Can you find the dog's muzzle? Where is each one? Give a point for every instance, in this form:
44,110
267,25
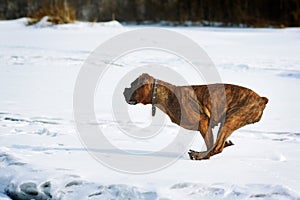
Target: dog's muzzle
128,96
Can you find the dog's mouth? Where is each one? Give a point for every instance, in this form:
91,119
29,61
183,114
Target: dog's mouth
132,102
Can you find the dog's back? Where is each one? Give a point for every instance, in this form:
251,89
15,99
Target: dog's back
229,101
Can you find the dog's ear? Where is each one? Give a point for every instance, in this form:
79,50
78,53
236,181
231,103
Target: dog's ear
145,78
145,75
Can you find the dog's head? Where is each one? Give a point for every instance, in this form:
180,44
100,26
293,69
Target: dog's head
140,91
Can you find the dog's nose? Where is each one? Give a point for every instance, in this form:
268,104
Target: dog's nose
128,96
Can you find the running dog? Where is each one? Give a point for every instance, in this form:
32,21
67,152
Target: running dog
200,108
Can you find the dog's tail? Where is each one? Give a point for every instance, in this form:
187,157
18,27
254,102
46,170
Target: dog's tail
265,100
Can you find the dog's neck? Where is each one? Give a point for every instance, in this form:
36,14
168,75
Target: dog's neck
165,91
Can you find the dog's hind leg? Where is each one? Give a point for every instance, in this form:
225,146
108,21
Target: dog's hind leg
221,142
231,124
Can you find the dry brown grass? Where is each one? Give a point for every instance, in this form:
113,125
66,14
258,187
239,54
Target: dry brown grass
59,12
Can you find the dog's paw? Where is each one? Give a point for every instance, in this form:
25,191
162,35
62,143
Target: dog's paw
228,143
192,154
195,155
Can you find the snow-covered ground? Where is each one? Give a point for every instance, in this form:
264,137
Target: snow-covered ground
41,152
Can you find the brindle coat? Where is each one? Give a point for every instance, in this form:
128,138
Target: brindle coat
201,108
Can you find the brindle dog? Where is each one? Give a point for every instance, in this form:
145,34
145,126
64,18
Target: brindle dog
201,108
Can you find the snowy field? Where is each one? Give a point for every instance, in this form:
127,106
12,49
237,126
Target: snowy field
40,151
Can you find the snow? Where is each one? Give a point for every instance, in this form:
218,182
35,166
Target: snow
41,151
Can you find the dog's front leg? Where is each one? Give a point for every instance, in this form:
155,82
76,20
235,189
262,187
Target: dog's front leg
207,135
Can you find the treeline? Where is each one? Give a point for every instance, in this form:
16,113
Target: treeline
259,13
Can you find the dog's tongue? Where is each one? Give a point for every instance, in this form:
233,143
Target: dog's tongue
153,110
